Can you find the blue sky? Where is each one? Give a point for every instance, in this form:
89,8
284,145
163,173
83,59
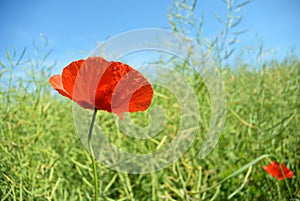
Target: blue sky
74,28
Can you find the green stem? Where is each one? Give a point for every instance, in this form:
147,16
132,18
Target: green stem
286,182
92,154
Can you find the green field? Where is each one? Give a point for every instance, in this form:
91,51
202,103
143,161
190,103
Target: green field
42,158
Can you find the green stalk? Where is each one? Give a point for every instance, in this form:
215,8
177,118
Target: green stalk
285,181
92,155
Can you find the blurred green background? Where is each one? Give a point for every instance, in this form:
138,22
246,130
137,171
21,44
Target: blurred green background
42,158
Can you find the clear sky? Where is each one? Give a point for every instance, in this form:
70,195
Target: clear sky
74,28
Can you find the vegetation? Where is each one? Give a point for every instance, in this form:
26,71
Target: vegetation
42,158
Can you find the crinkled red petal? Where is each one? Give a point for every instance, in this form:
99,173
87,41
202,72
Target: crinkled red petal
69,75
56,83
123,89
274,170
110,86
87,80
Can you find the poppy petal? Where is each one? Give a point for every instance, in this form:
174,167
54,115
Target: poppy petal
124,89
141,99
287,172
82,78
56,83
110,86
69,75
274,170
110,79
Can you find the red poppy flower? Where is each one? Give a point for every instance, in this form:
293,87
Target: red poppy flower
274,170
109,86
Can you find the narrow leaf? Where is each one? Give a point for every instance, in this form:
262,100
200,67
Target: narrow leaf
229,53
240,32
241,5
21,57
237,21
219,18
47,54
245,167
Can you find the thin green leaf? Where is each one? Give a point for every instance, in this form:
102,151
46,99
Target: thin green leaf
2,71
232,41
241,5
245,167
288,117
47,54
240,32
14,52
219,18
185,6
2,65
21,57
194,5
9,59
229,53
243,184
239,19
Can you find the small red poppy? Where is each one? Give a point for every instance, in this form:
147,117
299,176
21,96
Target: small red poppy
110,86
274,170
